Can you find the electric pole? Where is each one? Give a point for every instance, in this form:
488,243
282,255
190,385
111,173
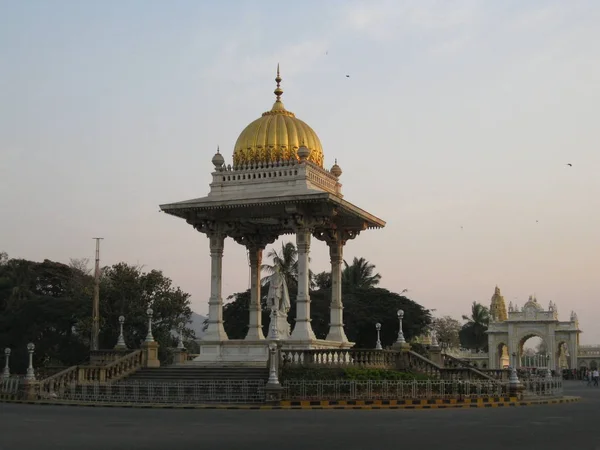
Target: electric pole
94,345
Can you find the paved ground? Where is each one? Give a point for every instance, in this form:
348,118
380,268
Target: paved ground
564,427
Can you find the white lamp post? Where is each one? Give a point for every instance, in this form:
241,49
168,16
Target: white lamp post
378,345
400,339
121,341
6,372
149,337
30,372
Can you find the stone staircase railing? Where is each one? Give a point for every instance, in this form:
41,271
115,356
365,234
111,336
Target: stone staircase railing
114,371
418,363
379,359
488,374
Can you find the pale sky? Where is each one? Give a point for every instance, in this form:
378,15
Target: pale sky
455,127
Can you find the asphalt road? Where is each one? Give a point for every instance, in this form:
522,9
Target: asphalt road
548,427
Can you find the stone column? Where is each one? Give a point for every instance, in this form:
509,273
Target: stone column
303,329
215,330
255,323
336,321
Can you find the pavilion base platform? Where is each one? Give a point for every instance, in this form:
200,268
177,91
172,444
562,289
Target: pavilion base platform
255,351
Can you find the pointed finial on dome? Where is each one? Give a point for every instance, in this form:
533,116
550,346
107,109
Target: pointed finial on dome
278,91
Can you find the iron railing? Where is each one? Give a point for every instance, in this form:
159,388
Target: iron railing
177,392
391,390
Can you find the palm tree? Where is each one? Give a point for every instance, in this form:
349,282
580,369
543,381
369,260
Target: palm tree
360,274
480,315
473,332
287,261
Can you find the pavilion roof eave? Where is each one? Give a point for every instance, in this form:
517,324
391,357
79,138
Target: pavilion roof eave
179,209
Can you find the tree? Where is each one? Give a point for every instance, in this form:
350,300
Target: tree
323,280
447,330
473,333
480,315
363,308
287,261
360,274
50,304
81,265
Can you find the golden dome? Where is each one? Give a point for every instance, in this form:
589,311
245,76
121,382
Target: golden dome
275,136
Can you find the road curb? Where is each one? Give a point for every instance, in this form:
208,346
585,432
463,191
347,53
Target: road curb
321,405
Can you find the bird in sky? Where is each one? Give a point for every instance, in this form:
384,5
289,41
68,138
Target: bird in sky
569,164
347,76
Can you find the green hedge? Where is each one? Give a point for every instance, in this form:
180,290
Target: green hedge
351,373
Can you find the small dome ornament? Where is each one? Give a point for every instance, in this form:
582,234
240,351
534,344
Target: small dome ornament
303,152
336,170
218,160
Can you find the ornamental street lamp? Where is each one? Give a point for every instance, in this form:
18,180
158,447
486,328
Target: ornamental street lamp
149,337
121,341
378,345
400,339
30,372
6,372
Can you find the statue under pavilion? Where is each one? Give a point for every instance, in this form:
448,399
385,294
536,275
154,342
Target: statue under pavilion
277,185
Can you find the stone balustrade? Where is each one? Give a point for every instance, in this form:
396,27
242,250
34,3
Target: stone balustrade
380,359
58,381
124,366
288,170
115,371
384,359
415,362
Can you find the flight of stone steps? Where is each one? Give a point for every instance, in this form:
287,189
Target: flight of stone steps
180,385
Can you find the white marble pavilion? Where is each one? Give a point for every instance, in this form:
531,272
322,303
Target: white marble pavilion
276,185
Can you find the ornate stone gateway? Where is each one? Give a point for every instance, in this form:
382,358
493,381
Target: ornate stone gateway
508,332
276,186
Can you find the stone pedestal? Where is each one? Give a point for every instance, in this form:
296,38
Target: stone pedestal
273,394
281,325
435,355
402,347
180,356
150,353
30,390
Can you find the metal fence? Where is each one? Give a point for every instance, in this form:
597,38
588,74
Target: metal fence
391,390
181,392
543,387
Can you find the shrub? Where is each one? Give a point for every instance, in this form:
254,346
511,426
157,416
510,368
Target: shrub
350,373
